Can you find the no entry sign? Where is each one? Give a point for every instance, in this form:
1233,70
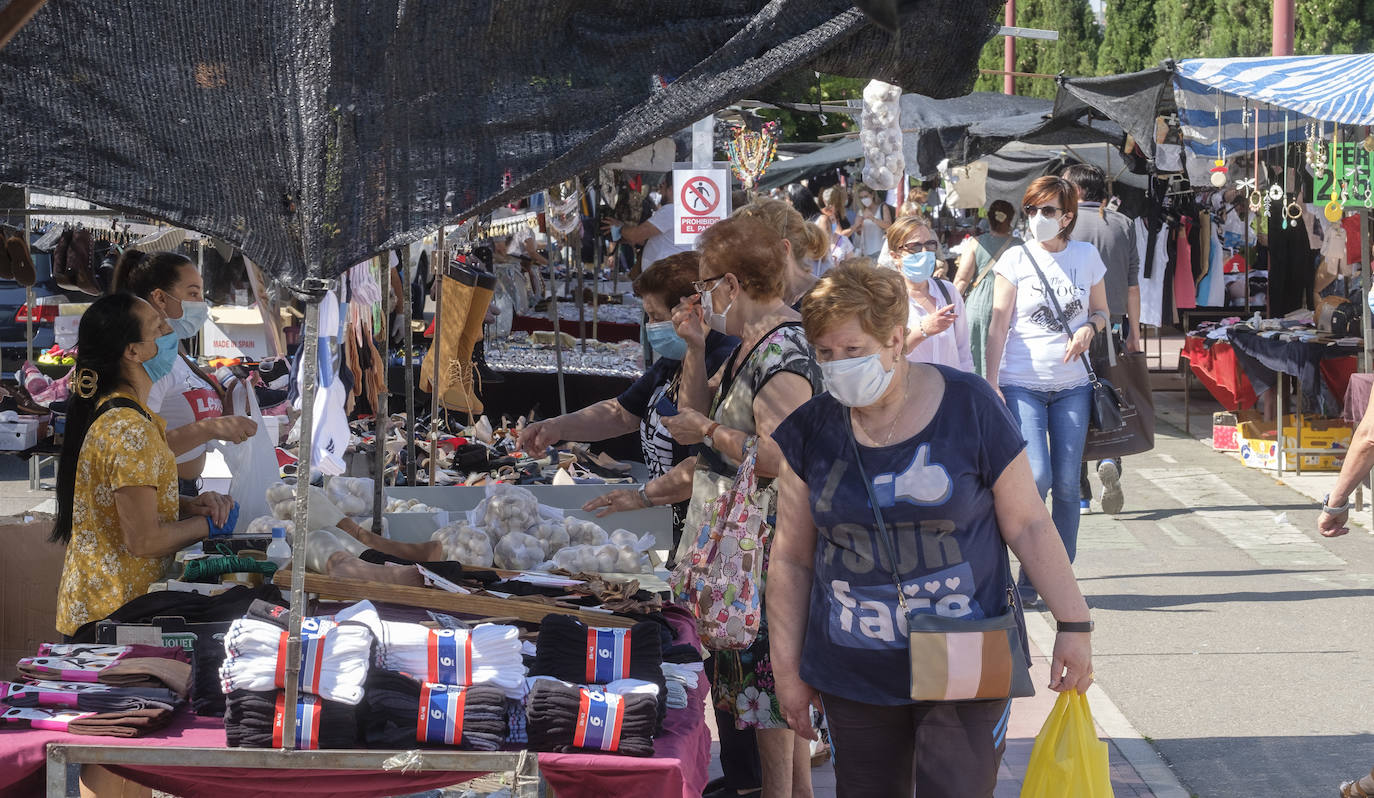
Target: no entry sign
701,199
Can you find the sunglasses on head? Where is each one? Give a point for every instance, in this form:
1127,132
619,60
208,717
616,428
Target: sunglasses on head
1048,211
912,247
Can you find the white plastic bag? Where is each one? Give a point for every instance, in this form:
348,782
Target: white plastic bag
253,463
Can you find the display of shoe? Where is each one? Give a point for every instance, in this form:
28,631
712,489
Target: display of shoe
1112,498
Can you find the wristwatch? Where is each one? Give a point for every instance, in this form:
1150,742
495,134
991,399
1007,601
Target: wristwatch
1327,508
1074,626
706,439
644,495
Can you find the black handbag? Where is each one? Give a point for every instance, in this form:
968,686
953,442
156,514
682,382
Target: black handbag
1106,403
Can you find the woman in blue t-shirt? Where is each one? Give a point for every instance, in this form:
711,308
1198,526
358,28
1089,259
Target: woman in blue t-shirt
949,470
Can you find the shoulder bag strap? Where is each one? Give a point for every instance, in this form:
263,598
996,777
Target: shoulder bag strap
1058,311
889,546
987,267
120,401
944,292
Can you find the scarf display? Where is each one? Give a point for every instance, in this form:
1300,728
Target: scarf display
488,654
402,713
334,658
566,718
257,719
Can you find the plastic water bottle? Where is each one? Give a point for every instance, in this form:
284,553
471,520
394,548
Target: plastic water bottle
279,551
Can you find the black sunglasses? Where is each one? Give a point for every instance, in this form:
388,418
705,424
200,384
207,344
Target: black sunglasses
1048,211
912,247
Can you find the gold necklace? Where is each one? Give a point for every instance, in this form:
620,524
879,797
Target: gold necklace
892,426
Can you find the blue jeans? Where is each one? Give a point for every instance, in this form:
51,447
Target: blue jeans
1055,426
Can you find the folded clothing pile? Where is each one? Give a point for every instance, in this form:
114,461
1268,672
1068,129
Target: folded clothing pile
87,696
334,656
402,712
123,670
567,718
488,654
682,669
572,651
131,723
258,719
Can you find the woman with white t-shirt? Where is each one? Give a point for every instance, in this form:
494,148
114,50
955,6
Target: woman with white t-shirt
936,331
189,401
1034,361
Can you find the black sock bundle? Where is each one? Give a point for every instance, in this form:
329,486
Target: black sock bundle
207,654
465,717
570,650
251,721
565,718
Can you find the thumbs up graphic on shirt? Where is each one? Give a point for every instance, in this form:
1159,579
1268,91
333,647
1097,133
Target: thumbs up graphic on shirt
920,483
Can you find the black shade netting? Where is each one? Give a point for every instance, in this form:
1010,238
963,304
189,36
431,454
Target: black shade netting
315,133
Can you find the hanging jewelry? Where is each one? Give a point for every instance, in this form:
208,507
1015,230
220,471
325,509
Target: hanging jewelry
1316,150
1218,176
1293,211
751,152
1256,198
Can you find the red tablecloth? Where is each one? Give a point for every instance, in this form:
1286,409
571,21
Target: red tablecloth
1216,368
678,769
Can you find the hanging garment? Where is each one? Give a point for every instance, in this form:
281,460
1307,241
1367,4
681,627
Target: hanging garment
1292,265
1154,257
1185,290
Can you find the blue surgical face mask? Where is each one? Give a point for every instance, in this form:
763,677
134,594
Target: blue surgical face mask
193,316
160,365
918,266
665,340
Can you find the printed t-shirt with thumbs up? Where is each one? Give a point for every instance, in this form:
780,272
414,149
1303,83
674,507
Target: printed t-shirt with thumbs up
935,490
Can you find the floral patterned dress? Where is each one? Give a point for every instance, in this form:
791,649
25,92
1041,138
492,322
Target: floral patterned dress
122,449
742,681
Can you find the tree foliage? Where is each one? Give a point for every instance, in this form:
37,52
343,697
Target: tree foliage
1125,44
1075,52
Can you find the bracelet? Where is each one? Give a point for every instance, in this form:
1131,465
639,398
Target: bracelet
1328,509
644,495
1074,626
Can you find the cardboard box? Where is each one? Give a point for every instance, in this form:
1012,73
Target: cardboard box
16,436
1225,432
235,332
1259,448
30,572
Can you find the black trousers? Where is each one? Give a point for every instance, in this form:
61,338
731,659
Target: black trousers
944,750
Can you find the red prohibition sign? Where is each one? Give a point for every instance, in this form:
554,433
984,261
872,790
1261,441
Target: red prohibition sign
699,196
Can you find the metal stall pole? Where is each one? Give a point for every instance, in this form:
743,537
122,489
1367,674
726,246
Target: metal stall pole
409,339
382,411
576,252
313,290
557,324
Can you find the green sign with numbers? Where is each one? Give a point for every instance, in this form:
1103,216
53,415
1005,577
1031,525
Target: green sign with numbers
1349,172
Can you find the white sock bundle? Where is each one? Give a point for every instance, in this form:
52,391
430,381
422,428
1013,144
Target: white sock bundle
334,658
488,654
618,686
679,678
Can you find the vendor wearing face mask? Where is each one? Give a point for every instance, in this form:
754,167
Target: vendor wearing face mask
937,331
874,220
642,406
1033,351
946,470
185,397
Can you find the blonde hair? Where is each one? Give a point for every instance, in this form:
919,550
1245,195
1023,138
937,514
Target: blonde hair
807,240
856,289
902,229
834,197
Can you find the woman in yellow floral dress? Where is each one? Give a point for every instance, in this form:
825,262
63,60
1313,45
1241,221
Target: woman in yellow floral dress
118,511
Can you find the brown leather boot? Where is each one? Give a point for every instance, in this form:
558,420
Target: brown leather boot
461,396
452,315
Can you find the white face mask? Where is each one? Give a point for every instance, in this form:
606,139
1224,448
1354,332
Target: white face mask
866,201
1042,228
714,320
856,381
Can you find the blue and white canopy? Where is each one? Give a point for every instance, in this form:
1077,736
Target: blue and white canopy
1213,95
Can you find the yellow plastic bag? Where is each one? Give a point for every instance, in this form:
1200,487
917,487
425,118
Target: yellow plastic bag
1068,761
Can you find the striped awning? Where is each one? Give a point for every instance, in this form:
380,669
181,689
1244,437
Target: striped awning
1224,104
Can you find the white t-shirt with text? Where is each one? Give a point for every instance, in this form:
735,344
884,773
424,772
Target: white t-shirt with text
182,397
1036,342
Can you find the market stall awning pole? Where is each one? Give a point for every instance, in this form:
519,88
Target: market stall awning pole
382,410
1366,283
409,343
310,376
440,267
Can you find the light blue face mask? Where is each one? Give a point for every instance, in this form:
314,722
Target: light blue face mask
193,317
918,266
160,365
665,340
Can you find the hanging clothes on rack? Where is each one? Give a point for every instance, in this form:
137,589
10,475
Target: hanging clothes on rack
1292,265
1185,287
1154,262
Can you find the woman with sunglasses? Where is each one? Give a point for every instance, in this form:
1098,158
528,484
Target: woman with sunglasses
1035,341
771,373
936,329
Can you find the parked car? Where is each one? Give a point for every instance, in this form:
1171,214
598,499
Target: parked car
14,330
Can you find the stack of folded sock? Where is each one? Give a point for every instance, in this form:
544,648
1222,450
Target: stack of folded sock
682,669
131,723
334,657
569,718
488,654
87,696
569,650
402,712
256,720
